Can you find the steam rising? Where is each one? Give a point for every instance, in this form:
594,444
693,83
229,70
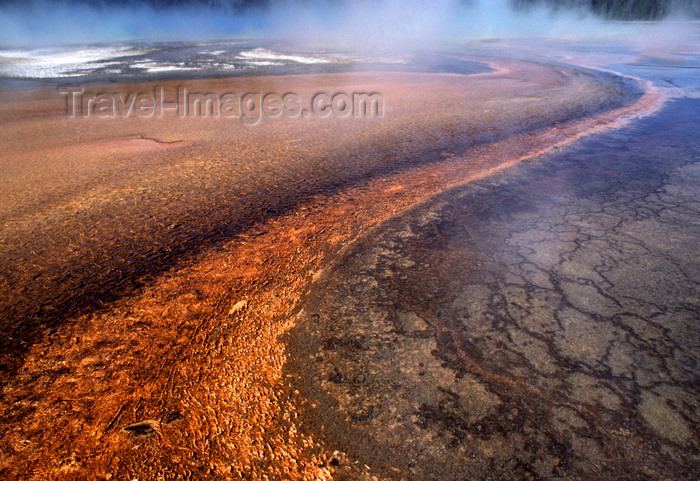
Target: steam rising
384,25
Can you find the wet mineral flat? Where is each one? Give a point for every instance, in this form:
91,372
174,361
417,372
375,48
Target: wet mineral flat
541,324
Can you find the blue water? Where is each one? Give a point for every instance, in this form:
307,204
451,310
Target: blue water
143,61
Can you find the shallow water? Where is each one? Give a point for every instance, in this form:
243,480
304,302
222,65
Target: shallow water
140,62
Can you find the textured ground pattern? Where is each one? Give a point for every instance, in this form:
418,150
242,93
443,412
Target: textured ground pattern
539,325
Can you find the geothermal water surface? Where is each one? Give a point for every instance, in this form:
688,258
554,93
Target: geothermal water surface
460,288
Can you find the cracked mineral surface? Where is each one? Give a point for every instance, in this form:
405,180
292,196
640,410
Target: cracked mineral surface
539,324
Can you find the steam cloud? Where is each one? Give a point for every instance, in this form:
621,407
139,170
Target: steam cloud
377,25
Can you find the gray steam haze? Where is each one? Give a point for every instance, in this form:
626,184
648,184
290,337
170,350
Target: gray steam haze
384,25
